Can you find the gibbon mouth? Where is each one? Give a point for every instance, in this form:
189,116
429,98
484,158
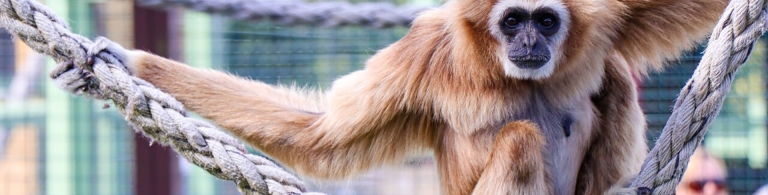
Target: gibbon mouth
530,62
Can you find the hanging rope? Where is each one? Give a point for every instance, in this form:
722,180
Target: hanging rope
740,26
155,113
326,14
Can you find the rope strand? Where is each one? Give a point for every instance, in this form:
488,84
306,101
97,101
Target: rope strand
324,14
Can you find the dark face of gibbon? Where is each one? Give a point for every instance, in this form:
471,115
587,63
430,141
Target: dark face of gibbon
527,34
531,35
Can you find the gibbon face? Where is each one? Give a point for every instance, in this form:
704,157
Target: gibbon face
531,33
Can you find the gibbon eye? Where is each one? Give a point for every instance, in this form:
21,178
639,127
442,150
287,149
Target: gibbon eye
547,21
512,21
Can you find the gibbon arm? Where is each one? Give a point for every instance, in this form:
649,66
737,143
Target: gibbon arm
655,31
364,125
516,163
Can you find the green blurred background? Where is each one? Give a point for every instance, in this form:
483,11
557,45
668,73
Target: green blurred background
55,143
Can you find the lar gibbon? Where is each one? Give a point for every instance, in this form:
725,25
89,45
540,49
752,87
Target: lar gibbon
511,96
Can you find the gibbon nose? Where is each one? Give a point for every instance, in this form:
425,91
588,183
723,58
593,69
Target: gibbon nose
528,51
528,41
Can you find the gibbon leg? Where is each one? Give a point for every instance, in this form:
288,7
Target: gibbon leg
516,163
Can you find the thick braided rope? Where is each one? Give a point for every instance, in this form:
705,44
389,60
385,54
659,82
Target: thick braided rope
327,14
155,113
740,26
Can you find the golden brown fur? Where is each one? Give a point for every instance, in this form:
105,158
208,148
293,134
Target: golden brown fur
442,88
513,166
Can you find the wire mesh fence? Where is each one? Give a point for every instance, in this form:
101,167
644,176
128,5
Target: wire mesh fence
54,143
